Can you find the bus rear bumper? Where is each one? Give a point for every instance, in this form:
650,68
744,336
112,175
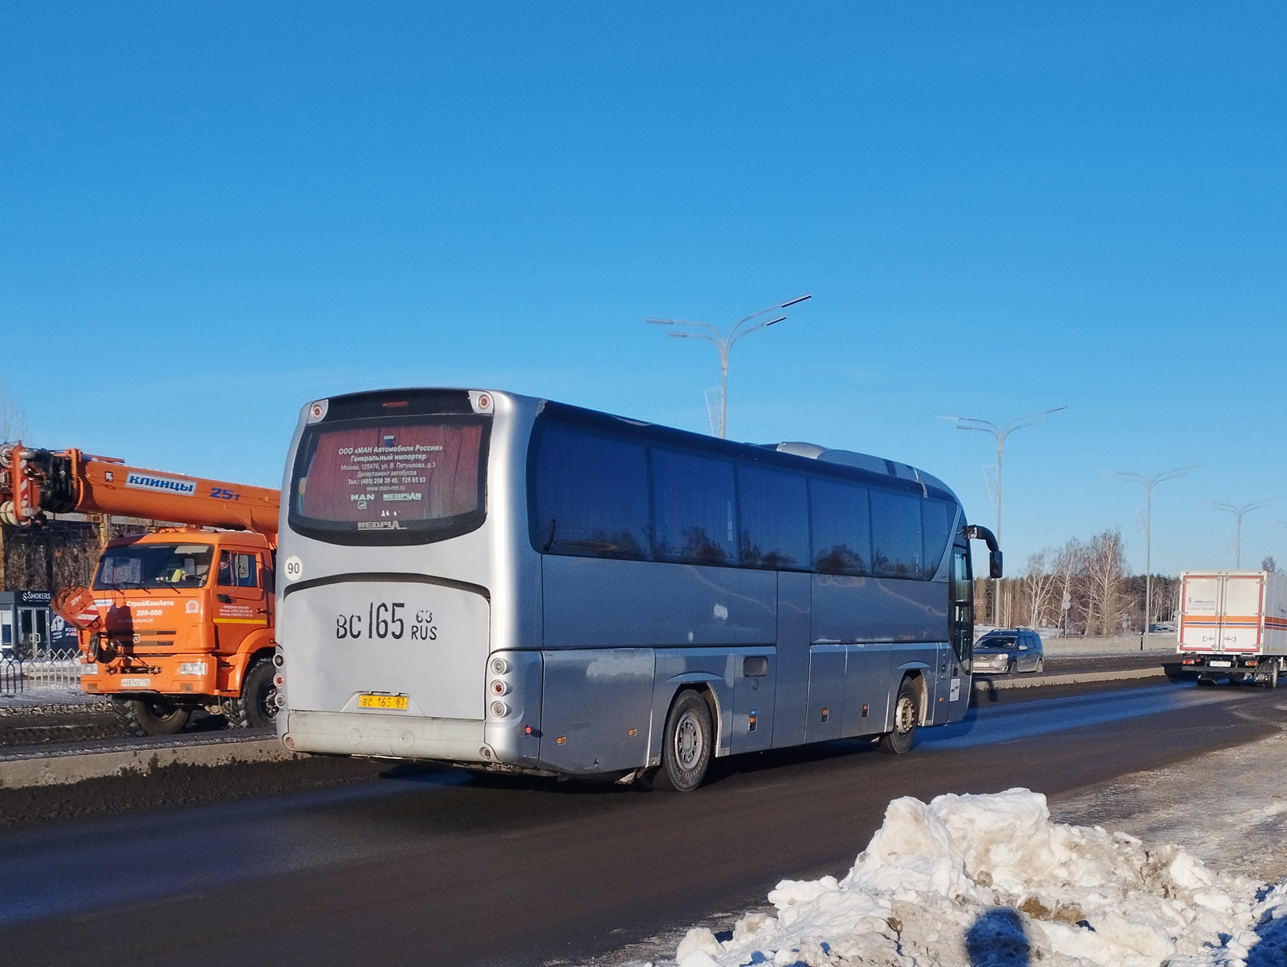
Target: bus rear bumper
386,736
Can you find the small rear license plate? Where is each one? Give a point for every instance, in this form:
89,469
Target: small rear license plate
1221,664
382,701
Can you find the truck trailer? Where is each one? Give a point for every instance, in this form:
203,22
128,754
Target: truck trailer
1233,624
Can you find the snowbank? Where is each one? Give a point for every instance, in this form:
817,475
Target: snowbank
990,880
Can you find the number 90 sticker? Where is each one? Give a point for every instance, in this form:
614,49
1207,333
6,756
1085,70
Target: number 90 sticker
293,568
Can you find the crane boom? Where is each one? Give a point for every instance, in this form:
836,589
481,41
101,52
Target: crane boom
36,482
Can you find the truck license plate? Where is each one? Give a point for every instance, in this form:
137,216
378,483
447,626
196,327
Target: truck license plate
1221,664
383,701
135,682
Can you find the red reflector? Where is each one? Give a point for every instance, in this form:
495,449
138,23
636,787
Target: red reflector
527,730
399,403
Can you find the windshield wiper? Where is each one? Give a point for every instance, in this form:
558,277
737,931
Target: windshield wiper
129,585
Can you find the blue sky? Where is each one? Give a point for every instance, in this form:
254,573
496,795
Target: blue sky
210,214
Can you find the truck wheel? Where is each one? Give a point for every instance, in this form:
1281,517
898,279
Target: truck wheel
905,713
256,706
688,743
1271,680
151,716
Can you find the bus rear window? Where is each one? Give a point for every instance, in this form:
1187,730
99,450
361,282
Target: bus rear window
391,480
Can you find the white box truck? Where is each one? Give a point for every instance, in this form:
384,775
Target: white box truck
1233,624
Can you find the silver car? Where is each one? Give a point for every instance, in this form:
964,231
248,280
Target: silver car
1008,653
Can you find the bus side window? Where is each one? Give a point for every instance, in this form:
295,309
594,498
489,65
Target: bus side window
591,496
841,527
693,498
897,549
774,518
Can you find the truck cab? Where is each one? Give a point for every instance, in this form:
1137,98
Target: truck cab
185,619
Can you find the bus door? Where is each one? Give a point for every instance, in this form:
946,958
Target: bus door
240,606
960,634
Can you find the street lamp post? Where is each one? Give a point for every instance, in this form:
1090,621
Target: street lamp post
1238,514
723,342
1149,483
1001,432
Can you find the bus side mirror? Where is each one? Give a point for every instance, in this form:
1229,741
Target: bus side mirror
977,532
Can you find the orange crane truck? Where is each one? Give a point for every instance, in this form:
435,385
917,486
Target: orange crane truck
175,620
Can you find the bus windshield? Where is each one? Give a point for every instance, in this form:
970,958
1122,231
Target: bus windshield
394,480
153,566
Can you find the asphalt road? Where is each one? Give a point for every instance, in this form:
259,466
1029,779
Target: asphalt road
434,867
94,726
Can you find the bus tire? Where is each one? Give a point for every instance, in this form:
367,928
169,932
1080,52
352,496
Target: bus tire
906,712
151,716
255,707
687,744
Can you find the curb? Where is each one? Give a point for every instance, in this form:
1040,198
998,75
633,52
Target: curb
55,768
988,684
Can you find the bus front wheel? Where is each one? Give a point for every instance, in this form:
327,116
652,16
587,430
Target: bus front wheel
906,711
688,743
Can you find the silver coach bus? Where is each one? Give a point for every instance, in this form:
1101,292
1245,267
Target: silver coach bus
514,584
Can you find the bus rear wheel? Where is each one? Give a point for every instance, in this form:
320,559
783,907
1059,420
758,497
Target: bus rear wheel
906,709
151,716
687,744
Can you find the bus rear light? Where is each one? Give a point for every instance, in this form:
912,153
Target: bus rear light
500,709
499,666
499,688
279,680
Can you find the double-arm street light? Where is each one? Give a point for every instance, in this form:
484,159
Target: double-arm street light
723,341
1001,432
1238,514
1148,484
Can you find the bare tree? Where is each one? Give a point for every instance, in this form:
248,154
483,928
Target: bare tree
1270,565
1105,563
13,420
1039,581
1068,564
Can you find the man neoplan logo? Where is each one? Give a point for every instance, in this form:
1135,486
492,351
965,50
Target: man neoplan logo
169,485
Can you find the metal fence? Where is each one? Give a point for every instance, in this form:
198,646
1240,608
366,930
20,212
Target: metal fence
58,668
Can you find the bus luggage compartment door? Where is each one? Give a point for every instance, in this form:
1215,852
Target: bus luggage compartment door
409,640
825,717
596,709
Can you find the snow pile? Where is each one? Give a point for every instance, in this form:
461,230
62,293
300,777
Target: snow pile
990,880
